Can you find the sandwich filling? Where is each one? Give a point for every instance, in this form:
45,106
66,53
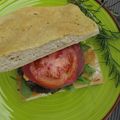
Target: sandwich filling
75,66
56,70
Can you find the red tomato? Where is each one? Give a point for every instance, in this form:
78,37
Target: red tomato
58,69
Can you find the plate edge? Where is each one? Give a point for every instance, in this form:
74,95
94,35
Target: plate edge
118,26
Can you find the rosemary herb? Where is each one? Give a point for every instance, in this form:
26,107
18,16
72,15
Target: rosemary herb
103,39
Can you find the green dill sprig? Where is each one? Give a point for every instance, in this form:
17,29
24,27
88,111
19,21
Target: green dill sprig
114,67
103,39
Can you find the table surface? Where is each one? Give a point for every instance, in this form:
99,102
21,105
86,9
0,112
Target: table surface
115,115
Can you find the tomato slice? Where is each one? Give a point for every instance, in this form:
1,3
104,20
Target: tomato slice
56,70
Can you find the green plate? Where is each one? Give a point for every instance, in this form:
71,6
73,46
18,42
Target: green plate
91,103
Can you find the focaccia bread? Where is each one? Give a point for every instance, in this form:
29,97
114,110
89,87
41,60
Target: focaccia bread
34,32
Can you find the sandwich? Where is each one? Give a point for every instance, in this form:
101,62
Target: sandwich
46,46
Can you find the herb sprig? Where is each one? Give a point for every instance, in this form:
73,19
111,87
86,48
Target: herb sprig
103,39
